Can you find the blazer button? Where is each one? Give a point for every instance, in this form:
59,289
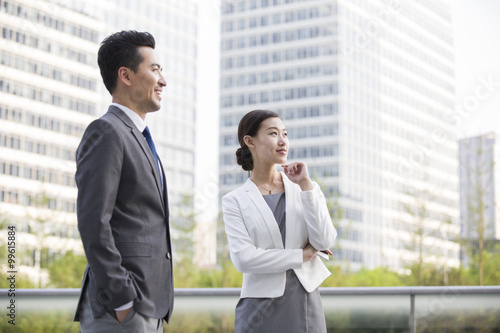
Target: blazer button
168,255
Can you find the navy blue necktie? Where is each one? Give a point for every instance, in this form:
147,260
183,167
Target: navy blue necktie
151,144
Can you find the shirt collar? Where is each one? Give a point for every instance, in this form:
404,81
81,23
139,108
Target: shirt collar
136,119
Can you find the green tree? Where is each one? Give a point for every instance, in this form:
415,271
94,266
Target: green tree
491,264
224,275
66,270
39,215
182,224
340,222
478,184
22,281
187,274
490,273
422,225
378,277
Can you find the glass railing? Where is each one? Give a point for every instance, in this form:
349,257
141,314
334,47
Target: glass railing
352,310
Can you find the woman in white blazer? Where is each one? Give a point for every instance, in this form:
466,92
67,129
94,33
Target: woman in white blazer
276,225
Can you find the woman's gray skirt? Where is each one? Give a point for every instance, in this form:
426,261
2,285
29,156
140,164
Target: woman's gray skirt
297,311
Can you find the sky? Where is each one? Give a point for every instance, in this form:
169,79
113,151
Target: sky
477,65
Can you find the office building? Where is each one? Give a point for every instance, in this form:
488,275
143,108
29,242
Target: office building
479,183
364,88
49,92
51,89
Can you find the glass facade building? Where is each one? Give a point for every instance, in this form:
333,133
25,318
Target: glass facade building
51,89
479,182
49,92
364,89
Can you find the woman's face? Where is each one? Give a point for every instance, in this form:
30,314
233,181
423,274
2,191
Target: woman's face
270,145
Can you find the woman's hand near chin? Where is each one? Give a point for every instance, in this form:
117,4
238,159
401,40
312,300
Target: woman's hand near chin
297,172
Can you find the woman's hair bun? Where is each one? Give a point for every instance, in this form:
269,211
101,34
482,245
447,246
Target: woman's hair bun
244,158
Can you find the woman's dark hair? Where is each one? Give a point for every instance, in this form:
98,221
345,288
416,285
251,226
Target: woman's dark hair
121,50
249,125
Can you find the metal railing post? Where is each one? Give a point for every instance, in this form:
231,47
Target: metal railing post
413,319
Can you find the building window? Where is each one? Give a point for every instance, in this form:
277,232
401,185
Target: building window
252,60
264,39
252,41
264,97
240,100
264,77
252,98
276,76
240,81
264,21
240,62
241,43
277,18
227,101
276,56
264,58
252,79
241,24
276,37
276,95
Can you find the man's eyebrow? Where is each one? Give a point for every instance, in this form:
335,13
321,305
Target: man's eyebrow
156,65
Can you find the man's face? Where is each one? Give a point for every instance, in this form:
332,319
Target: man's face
147,82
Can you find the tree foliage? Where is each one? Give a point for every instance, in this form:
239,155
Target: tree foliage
67,270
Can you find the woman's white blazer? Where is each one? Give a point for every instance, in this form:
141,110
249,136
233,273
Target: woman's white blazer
255,244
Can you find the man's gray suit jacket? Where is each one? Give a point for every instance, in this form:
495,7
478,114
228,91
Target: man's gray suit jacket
123,219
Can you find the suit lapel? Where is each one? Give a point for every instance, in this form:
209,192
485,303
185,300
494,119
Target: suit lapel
291,211
142,143
266,213
147,151
165,193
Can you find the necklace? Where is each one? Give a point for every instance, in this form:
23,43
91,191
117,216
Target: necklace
276,182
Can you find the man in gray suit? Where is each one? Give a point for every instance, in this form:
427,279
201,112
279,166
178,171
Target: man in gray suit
122,202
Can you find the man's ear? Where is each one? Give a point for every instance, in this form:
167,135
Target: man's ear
248,140
124,76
